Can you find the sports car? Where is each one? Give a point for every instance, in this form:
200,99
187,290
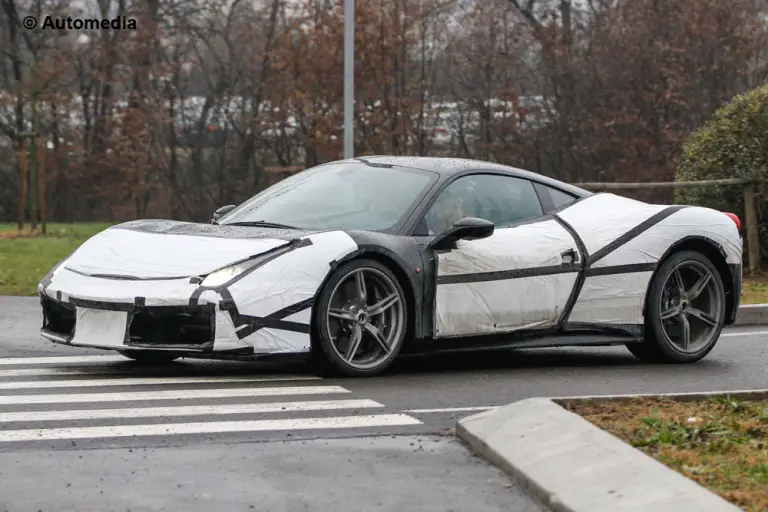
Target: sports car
355,262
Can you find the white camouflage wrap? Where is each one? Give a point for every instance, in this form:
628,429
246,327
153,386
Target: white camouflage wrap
120,264
519,279
530,276
503,303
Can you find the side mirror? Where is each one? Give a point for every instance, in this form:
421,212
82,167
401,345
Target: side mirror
223,211
468,228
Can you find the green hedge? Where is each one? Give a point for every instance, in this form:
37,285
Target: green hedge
733,144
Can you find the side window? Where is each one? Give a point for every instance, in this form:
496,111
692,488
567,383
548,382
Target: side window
503,200
553,198
560,198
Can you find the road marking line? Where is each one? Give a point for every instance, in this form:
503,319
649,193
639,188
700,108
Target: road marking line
145,381
62,359
105,372
334,422
450,409
192,410
170,395
751,333
53,372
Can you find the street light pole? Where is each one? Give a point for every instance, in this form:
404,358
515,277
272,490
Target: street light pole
349,78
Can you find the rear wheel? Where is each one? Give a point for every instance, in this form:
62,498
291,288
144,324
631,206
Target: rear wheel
685,311
150,356
361,320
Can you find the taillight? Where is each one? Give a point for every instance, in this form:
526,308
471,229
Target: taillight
735,219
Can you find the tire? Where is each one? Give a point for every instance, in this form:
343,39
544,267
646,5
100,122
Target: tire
336,298
150,356
704,323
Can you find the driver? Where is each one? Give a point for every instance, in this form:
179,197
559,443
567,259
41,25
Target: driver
448,209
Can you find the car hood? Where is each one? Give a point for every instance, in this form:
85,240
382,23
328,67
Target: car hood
157,249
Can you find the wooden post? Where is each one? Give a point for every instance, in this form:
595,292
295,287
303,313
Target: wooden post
23,156
41,182
750,219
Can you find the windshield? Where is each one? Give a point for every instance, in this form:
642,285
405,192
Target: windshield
338,196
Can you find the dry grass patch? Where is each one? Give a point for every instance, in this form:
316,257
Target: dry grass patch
721,443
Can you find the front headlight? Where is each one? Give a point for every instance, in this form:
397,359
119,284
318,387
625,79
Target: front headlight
226,274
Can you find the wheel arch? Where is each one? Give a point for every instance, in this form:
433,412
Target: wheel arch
397,265
717,255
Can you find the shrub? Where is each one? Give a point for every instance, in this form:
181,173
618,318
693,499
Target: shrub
733,144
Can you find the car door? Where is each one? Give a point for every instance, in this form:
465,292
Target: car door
521,277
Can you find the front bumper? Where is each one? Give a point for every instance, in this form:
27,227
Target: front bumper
121,314
119,325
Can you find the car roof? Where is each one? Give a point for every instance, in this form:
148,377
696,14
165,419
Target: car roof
448,166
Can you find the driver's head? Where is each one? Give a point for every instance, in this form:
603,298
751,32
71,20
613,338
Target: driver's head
448,209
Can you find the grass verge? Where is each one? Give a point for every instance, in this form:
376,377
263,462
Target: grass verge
721,442
755,289
27,256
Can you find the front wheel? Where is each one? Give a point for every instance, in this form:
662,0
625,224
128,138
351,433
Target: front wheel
150,356
685,311
361,319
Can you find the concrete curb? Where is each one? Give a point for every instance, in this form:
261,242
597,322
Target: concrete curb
752,314
574,466
744,394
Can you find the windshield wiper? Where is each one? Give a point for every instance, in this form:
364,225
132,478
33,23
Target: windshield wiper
260,223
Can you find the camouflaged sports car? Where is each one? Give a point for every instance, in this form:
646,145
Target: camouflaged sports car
357,261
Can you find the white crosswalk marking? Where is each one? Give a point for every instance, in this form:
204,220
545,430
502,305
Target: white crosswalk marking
169,395
101,371
61,372
381,420
187,410
17,361
37,402
147,381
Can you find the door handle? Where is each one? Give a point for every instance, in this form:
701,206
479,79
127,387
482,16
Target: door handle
570,257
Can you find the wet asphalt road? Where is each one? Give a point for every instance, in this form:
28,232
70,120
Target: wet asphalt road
438,390
191,434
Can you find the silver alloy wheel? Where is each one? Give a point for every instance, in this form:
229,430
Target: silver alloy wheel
365,318
690,306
